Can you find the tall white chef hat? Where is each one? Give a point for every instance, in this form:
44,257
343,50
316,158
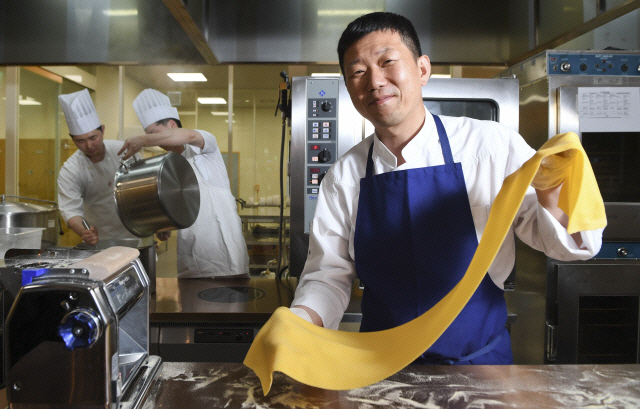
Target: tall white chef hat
152,106
79,111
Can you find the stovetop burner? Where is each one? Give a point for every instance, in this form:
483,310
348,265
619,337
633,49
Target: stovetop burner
232,294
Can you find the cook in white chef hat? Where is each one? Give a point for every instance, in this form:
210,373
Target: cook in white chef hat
79,112
152,106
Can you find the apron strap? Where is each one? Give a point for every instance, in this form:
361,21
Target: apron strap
444,144
370,160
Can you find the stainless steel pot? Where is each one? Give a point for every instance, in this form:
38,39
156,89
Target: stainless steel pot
15,213
157,194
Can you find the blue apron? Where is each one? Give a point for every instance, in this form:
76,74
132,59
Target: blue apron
414,240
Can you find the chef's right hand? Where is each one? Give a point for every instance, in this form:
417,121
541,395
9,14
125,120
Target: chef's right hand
163,235
90,236
132,146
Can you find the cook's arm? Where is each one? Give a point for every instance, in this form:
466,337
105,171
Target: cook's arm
325,284
548,198
88,236
307,314
168,137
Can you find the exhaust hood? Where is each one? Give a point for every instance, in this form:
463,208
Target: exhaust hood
127,32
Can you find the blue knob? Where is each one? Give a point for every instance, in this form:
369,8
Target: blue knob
80,328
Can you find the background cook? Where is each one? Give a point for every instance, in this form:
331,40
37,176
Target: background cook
214,245
85,181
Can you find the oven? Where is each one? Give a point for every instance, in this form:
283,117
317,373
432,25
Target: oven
325,125
585,312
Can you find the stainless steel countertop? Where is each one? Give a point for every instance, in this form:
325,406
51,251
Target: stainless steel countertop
213,385
185,299
179,300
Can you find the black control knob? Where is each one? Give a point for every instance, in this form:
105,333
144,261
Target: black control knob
624,68
583,67
321,176
565,66
324,156
326,106
622,252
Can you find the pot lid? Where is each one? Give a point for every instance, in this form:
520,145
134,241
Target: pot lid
9,204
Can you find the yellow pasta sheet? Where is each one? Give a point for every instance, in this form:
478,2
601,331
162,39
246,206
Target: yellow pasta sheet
340,360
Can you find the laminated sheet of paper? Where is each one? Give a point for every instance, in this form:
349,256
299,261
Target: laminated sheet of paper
341,360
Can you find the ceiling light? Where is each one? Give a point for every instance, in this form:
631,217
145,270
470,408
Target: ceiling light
187,76
440,75
217,113
325,74
121,12
337,13
28,101
74,78
212,101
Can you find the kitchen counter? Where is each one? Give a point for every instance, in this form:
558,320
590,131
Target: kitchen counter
232,385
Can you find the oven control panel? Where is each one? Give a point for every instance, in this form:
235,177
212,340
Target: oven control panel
321,139
593,63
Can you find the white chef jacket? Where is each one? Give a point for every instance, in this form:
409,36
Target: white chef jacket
214,244
488,153
86,189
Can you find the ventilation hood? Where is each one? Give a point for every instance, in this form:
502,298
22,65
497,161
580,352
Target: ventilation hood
234,32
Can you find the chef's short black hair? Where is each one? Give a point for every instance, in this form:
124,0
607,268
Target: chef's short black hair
378,21
166,121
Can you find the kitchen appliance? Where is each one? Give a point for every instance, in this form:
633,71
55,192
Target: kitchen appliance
325,125
593,312
79,335
212,320
155,194
11,279
595,94
15,211
20,238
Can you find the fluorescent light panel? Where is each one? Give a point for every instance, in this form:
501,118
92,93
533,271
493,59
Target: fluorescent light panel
74,78
325,74
440,75
28,101
121,12
187,76
218,113
212,101
345,13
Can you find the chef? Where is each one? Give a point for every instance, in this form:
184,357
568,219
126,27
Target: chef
214,245
404,210
85,181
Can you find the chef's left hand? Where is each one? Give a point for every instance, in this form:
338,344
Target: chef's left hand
548,184
132,146
551,172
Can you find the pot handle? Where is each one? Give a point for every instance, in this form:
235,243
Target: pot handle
126,164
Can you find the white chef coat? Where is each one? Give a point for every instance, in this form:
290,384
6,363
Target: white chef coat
86,189
487,151
214,244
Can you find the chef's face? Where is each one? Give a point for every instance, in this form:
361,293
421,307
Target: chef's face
91,143
384,79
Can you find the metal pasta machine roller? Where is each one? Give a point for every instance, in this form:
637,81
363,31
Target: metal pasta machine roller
78,336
